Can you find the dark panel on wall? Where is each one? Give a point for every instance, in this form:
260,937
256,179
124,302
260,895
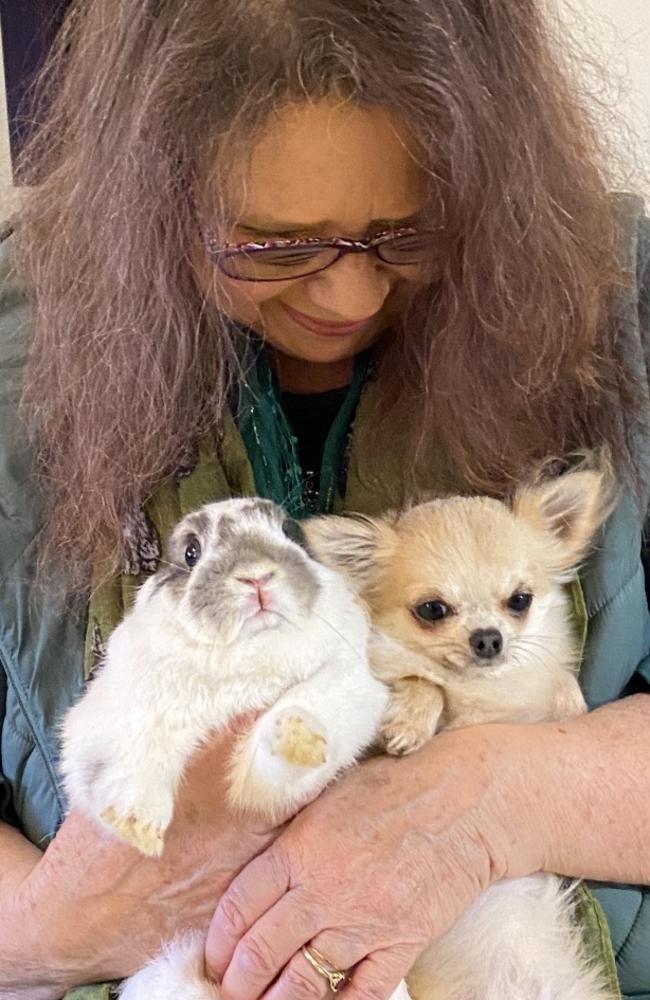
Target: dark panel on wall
28,27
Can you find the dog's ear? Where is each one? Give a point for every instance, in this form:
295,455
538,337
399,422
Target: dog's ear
350,543
569,510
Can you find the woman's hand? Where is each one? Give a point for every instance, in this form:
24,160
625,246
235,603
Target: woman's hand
382,863
392,854
93,908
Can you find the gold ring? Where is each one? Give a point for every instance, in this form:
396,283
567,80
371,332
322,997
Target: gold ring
336,977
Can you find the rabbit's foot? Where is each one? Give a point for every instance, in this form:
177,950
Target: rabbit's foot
297,743
147,837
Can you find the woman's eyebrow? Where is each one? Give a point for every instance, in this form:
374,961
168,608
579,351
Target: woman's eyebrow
316,228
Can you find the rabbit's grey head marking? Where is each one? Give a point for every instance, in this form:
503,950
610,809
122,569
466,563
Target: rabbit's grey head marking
216,551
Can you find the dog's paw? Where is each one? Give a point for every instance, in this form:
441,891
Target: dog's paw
401,738
297,743
412,715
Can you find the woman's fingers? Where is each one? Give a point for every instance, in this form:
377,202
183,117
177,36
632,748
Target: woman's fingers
270,945
377,977
249,896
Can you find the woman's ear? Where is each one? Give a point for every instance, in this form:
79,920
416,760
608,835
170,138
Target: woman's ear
349,543
569,510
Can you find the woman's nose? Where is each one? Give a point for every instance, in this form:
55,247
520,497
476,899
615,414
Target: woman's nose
352,289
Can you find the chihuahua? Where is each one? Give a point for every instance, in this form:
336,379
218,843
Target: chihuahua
472,624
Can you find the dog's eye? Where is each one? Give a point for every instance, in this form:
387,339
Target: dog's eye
192,551
520,602
431,611
292,530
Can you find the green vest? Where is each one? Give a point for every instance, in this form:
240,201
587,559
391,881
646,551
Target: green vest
46,651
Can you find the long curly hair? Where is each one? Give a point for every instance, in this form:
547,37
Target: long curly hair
507,355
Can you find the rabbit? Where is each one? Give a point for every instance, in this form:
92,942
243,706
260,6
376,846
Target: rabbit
241,618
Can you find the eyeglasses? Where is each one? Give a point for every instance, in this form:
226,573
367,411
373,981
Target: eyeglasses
282,260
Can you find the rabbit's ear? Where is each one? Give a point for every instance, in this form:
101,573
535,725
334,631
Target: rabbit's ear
351,544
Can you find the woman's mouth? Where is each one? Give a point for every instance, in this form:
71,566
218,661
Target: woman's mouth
326,329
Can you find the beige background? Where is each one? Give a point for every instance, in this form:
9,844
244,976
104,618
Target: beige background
617,31
5,167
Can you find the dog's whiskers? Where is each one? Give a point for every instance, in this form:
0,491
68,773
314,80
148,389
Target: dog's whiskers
529,649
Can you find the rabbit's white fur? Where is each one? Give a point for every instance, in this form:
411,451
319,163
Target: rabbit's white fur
197,650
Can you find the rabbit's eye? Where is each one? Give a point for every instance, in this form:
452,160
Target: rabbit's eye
520,602
292,530
431,611
192,551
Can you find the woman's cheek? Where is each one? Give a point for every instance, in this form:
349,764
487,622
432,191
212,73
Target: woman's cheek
245,302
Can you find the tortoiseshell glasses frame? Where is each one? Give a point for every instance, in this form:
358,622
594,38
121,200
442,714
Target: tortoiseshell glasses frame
298,258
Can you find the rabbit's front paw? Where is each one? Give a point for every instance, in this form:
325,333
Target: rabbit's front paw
148,837
297,743
137,807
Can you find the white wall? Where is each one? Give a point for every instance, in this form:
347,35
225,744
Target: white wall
5,163
617,32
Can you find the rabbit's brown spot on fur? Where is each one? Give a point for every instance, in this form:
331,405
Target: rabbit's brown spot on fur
296,742
144,836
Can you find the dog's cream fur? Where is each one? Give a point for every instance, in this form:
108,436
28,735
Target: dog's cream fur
518,941
194,653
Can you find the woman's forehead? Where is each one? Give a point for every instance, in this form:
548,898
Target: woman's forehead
328,164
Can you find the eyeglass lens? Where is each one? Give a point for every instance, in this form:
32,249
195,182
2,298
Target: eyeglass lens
294,262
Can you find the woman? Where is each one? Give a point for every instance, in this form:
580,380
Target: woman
475,302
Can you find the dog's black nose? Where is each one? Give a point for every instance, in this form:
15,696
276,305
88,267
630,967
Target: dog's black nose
486,642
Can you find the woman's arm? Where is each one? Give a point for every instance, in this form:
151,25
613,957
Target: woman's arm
586,810
18,856
91,908
51,905
391,855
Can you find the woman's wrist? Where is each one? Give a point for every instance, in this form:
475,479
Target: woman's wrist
87,912
450,792
56,924
18,860
571,797
485,783
18,857
29,968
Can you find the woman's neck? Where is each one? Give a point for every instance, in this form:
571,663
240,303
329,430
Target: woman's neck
296,375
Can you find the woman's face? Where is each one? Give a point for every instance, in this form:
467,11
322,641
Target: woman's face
324,169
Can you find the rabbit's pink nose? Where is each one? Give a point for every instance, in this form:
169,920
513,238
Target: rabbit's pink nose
256,581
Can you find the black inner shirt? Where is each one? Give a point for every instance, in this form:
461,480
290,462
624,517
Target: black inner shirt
311,416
